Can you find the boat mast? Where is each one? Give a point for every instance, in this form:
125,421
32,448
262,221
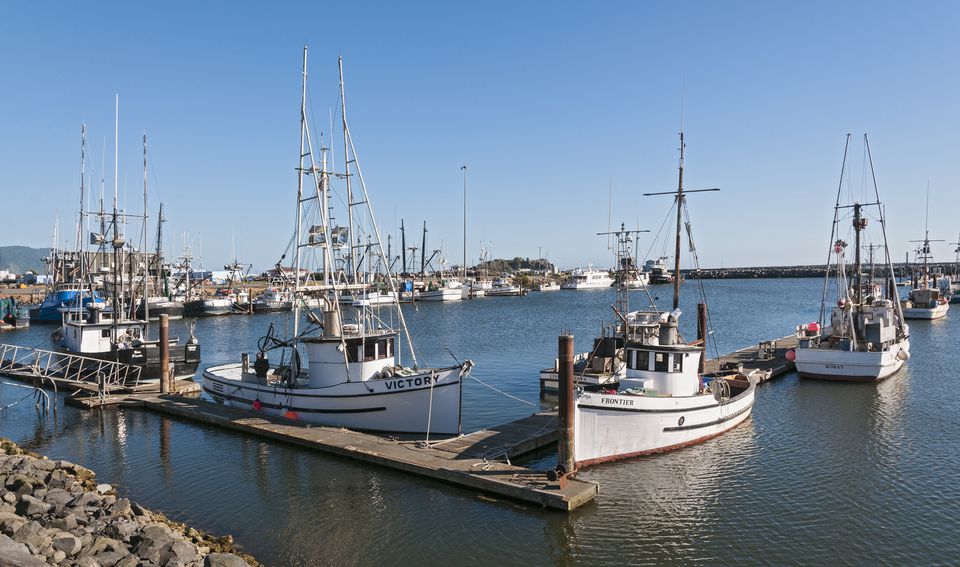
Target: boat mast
158,255
676,258
858,225
346,174
464,168
833,231
117,241
296,237
403,248
146,271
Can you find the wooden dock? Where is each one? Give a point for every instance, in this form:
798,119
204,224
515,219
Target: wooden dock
467,461
768,355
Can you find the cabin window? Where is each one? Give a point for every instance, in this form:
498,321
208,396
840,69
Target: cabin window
105,333
641,360
660,362
677,363
370,350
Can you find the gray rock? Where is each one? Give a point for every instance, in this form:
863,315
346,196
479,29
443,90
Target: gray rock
67,543
58,497
86,562
13,554
21,484
122,529
110,558
44,465
67,522
122,508
29,533
101,544
57,557
10,523
59,478
9,497
223,560
31,506
178,550
104,488
85,499
128,561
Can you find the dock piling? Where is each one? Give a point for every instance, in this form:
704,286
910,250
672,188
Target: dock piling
164,354
565,454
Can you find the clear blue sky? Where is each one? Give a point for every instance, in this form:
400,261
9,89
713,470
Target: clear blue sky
544,101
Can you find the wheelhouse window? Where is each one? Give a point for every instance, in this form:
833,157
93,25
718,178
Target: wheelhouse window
677,362
660,362
105,333
640,360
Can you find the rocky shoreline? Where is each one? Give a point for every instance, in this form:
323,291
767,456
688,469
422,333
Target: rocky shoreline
55,513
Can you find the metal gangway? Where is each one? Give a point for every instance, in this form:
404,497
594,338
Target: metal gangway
72,370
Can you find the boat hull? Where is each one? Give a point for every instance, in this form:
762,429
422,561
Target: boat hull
851,366
927,313
400,404
272,306
610,427
172,309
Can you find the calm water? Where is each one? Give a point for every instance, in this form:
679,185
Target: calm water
822,473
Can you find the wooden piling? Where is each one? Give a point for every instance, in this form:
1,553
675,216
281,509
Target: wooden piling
565,447
164,354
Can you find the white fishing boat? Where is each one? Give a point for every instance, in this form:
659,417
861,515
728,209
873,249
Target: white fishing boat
549,285
353,375
447,290
276,297
867,339
502,287
925,300
662,402
588,278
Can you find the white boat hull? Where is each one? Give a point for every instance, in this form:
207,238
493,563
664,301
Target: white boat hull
926,312
444,294
853,366
401,404
610,427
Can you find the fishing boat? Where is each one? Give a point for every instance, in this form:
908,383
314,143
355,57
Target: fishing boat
275,298
61,296
344,367
548,285
867,339
444,290
657,272
662,401
502,287
926,300
94,330
587,278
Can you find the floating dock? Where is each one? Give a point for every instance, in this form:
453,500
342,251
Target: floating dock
470,461
767,355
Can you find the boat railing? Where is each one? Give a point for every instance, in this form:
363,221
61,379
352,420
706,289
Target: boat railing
24,362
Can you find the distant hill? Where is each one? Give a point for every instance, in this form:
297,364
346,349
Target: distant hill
19,259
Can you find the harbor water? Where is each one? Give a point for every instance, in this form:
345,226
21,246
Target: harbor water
823,473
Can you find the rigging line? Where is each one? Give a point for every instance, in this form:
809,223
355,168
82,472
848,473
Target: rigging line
473,376
656,238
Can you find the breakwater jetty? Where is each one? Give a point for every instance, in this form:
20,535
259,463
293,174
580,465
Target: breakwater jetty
55,513
808,271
